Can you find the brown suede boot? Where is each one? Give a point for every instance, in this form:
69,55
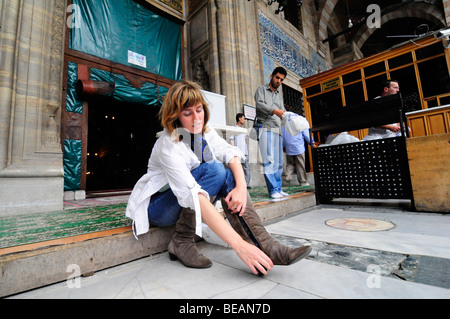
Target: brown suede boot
182,246
250,228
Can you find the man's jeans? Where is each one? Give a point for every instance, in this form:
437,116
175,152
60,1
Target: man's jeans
212,176
271,147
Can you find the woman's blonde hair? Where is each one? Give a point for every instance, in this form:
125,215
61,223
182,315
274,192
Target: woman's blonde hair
179,97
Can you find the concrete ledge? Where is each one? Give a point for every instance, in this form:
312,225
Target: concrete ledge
274,209
30,269
33,266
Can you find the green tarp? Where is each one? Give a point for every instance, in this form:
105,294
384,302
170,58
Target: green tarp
73,103
72,165
125,32
121,31
149,94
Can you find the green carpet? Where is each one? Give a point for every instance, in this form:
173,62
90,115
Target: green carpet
34,228
259,194
28,229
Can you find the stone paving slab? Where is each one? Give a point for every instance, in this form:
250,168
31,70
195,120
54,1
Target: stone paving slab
156,277
416,234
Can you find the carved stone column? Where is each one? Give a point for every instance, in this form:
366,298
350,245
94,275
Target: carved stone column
31,67
226,55
238,53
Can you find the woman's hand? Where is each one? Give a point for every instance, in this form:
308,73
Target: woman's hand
237,200
253,257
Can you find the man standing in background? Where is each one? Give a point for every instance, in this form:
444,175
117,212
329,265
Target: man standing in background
390,87
294,147
269,112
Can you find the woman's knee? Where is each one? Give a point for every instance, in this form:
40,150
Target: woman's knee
217,169
163,209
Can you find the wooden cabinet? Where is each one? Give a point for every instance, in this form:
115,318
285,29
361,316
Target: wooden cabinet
430,172
429,121
421,68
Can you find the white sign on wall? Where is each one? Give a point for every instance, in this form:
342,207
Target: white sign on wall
250,112
137,59
216,103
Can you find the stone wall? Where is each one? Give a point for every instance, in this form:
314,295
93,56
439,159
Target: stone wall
446,4
31,60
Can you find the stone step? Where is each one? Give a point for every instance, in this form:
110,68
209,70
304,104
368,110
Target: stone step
35,265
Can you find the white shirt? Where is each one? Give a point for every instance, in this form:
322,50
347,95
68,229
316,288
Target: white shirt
240,141
171,163
381,132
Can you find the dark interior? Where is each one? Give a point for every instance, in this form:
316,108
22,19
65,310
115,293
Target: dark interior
120,139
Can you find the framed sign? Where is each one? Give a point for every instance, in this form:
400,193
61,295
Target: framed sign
250,112
331,84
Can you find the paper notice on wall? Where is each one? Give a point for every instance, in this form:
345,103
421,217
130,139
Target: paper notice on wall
137,59
250,112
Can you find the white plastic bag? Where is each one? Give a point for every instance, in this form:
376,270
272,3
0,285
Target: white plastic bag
294,123
372,137
343,138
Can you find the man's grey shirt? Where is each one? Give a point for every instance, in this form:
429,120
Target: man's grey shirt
267,101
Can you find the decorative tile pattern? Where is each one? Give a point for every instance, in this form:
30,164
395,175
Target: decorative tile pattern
175,4
279,48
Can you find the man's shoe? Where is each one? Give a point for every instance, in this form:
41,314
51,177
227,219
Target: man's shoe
283,194
304,184
276,195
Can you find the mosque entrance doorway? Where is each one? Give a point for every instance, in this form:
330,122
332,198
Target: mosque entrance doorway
120,139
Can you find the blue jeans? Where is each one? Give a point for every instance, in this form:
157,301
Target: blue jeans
212,176
271,147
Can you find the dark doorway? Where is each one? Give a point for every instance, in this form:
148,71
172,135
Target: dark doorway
120,139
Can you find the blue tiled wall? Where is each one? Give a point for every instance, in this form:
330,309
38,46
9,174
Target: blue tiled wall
280,49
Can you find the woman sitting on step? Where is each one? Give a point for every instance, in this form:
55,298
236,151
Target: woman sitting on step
186,175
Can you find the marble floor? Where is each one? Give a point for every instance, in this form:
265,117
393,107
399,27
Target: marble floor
317,277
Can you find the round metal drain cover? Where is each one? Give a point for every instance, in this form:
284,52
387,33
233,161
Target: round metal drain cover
360,224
